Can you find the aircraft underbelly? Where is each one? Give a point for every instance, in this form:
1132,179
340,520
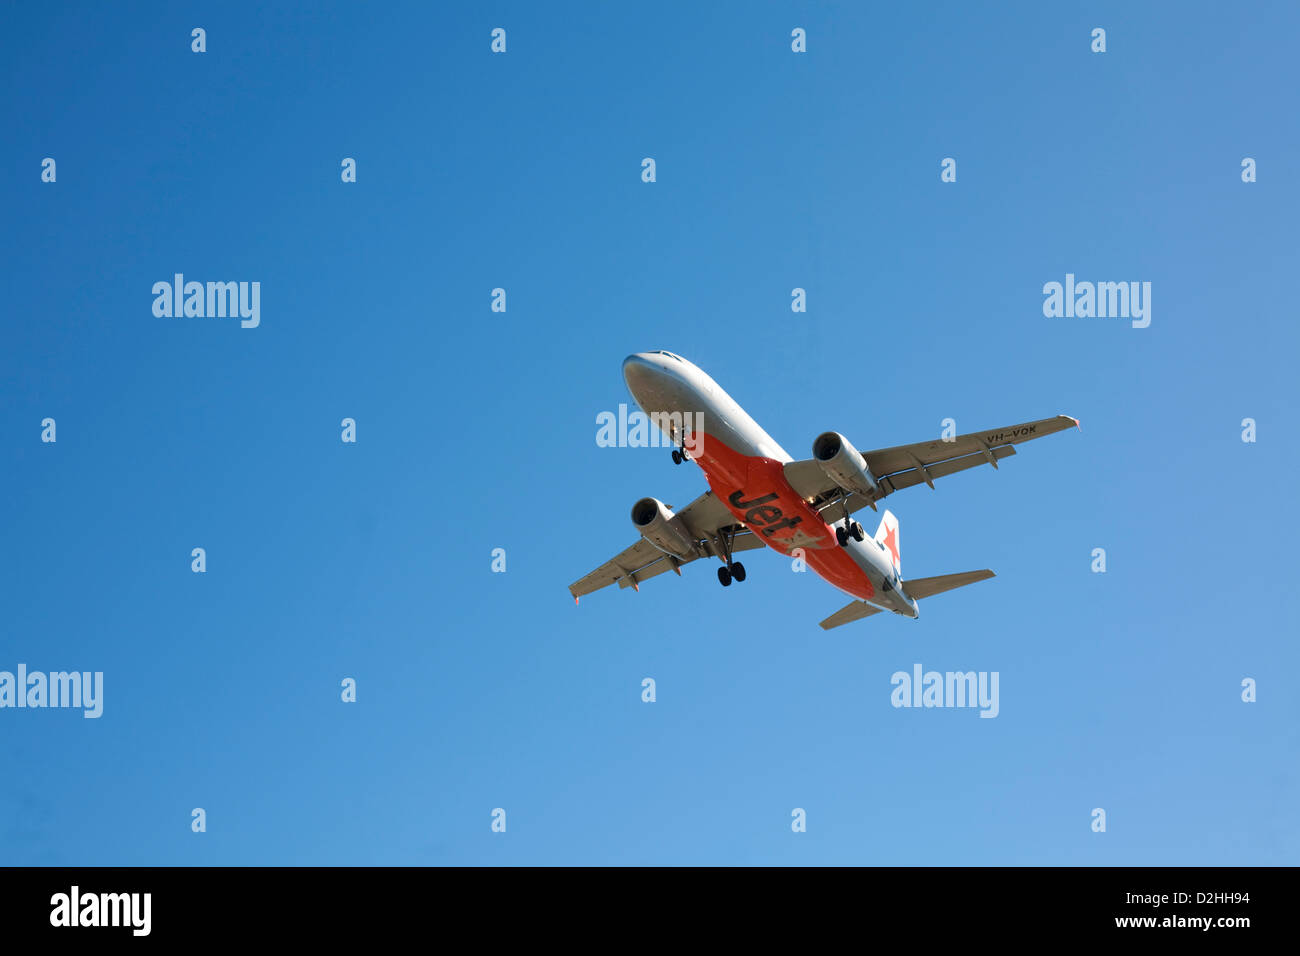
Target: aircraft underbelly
755,491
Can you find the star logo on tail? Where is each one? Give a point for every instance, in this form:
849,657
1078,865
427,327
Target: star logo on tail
890,541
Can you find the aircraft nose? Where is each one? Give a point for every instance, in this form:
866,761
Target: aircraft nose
640,370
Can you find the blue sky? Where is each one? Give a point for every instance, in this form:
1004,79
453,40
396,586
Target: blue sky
476,430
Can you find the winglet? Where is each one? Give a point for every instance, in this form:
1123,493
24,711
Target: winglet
1075,420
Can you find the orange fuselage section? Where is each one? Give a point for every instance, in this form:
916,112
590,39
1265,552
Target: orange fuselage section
755,490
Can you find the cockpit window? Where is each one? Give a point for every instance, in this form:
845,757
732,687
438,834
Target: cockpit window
670,355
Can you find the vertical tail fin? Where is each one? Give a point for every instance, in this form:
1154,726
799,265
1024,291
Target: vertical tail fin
888,536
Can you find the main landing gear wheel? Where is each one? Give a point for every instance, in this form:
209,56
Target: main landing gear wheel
730,570
850,528
853,531
735,572
677,457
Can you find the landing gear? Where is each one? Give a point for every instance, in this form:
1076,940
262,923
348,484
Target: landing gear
677,457
850,529
730,570
854,531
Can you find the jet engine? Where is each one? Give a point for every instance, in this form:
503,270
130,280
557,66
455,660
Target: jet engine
844,464
665,530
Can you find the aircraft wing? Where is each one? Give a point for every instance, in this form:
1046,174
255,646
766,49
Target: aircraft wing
906,465
704,518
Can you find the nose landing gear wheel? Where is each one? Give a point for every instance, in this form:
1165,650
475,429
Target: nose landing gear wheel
677,457
724,577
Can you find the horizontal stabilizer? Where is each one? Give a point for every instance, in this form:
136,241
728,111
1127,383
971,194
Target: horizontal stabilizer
919,588
855,611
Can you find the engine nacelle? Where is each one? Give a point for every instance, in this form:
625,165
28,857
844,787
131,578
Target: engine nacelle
658,525
844,464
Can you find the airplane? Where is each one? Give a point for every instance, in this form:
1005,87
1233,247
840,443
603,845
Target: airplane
761,496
